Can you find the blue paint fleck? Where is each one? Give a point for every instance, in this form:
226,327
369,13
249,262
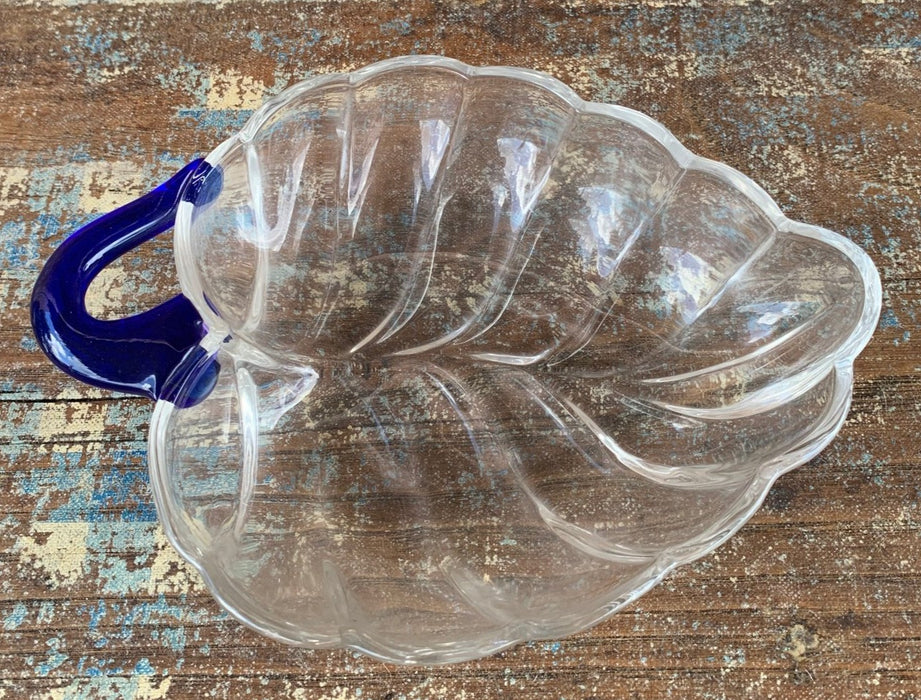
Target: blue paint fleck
65,474
888,319
98,668
13,253
257,41
126,488
174,638
735,657
16,617
312,37
96,614
53,660
400,27
219,121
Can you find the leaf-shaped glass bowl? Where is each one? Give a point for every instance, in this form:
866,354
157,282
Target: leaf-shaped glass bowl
491,360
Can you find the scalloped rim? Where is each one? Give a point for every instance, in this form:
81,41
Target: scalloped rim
746,505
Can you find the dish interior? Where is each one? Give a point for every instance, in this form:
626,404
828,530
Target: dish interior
493,360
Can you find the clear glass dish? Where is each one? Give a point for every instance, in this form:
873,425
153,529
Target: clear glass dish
468,360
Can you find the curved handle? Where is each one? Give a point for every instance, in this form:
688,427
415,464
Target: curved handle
155,353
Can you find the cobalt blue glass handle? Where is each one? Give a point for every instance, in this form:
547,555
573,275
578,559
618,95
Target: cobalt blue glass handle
155,353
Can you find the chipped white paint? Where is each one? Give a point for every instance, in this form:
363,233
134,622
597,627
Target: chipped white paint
152,687
799,641
107,74
789,80
75,390
338,693
795,163
108,185
170,573
138,3
580,76
13,188
684,65
233,90
56,549
65,692
905,53
104,295
126,3
671,3
62,421
142,687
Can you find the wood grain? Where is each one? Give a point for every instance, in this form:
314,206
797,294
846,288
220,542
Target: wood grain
819,596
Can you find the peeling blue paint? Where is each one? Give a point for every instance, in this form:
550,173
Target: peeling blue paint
221,122
400,27
127,491
888,320
96,615
16,617
54,658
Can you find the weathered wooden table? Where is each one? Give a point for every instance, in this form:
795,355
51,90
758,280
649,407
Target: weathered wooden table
818,596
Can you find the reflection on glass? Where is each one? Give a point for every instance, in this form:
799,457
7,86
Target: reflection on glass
601,232
686,283
520,174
